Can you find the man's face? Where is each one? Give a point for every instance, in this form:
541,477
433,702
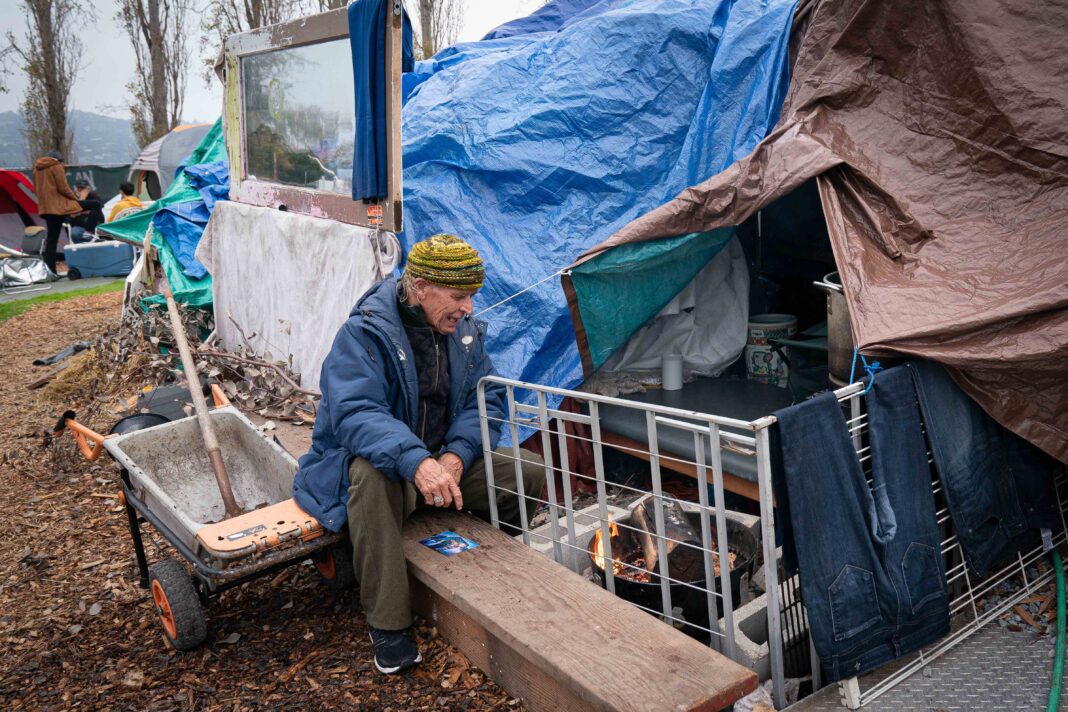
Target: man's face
443,307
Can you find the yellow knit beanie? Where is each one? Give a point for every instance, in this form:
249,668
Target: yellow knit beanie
447,261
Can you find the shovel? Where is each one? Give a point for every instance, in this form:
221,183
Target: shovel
207,430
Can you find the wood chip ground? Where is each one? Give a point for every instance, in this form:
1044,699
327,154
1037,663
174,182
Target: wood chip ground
79,633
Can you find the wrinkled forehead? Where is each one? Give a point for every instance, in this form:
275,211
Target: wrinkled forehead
450,292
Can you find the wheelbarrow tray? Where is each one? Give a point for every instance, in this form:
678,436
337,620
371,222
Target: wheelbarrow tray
171,477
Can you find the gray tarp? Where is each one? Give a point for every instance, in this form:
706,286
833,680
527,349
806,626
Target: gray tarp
938,131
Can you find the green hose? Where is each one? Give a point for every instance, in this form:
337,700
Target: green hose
1054,703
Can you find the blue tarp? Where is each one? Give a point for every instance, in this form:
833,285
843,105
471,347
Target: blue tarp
545,140
182,224
367,41
547,18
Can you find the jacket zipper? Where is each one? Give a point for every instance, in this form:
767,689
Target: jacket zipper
437,378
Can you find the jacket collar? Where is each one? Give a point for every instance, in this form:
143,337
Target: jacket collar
379,305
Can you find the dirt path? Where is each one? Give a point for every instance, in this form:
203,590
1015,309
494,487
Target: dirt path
78,632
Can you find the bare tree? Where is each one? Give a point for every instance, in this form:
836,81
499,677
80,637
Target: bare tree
50,53
325,5
439,23
222,18
156,29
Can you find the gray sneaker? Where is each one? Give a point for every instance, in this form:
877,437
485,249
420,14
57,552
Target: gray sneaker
394,650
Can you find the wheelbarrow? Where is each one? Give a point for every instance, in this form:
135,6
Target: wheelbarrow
167,481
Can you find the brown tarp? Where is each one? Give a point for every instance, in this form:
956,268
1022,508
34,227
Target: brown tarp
938,133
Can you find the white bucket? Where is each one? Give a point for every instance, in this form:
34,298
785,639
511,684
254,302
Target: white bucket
761,362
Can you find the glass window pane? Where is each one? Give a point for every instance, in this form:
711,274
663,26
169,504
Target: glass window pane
299,116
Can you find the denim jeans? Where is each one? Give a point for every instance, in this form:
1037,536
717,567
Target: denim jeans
870,561
998,486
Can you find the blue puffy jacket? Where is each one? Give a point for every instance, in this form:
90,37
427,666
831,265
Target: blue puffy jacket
370,401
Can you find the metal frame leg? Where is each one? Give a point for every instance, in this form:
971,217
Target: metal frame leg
135,531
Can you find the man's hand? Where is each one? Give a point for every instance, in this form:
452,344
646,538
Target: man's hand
453,465
437,485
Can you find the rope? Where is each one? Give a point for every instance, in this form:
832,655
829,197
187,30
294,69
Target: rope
521,291
871,369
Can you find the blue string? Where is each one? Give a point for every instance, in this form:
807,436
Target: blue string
871,369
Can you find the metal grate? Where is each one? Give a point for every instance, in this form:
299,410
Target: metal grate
789,646
965,593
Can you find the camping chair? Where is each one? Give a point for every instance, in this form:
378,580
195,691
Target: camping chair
21,272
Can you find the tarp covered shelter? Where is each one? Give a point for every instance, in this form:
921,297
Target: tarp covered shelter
541,143
179,216
936,135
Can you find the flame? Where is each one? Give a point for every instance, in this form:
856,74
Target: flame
598,547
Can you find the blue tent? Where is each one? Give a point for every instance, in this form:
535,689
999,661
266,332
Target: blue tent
546,137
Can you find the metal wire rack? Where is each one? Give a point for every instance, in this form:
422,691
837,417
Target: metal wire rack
784,623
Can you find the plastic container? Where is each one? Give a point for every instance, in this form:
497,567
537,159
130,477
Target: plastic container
105,258
671,372
762,363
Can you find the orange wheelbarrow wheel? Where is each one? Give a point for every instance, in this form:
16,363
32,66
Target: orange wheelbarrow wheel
334,564
177,605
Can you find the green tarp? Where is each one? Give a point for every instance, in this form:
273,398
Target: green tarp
631,283
193,292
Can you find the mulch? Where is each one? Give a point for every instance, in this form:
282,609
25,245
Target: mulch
79,632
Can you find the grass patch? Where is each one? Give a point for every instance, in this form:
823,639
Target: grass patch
10,309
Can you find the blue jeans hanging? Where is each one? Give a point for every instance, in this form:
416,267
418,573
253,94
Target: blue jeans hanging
999,487
869,557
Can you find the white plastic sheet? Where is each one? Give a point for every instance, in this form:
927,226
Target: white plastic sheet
288,281
705,322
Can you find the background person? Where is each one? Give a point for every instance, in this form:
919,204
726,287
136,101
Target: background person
91,203
56,202
127,200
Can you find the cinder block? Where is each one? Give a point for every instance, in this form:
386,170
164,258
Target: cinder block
751,647
587,521
749,521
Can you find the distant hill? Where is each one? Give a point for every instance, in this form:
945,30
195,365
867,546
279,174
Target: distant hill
98,140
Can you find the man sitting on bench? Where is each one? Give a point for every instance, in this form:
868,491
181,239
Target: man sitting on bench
399,413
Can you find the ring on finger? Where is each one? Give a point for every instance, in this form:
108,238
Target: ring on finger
439,500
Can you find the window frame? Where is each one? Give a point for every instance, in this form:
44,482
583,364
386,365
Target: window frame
386,213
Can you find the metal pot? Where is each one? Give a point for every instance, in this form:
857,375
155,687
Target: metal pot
839,334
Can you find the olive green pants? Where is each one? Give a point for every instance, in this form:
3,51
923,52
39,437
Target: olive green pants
377,509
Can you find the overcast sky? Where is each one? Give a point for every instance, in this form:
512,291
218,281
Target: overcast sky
101,85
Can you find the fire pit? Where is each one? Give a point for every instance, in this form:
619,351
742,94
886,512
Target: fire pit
685,564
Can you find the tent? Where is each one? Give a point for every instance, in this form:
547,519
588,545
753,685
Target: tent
153,171
933,138
18,207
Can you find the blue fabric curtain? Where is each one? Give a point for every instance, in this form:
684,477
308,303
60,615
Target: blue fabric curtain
367,38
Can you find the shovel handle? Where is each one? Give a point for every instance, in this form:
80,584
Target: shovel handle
200,405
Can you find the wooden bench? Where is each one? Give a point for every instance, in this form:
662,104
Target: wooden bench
553,639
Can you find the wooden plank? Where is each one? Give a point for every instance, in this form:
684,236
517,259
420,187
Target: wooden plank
48,376
553,639
731,483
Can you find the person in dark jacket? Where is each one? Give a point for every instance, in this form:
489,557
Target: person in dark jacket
91,203
56,202
399,418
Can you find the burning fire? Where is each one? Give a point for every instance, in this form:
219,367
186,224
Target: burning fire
598,548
